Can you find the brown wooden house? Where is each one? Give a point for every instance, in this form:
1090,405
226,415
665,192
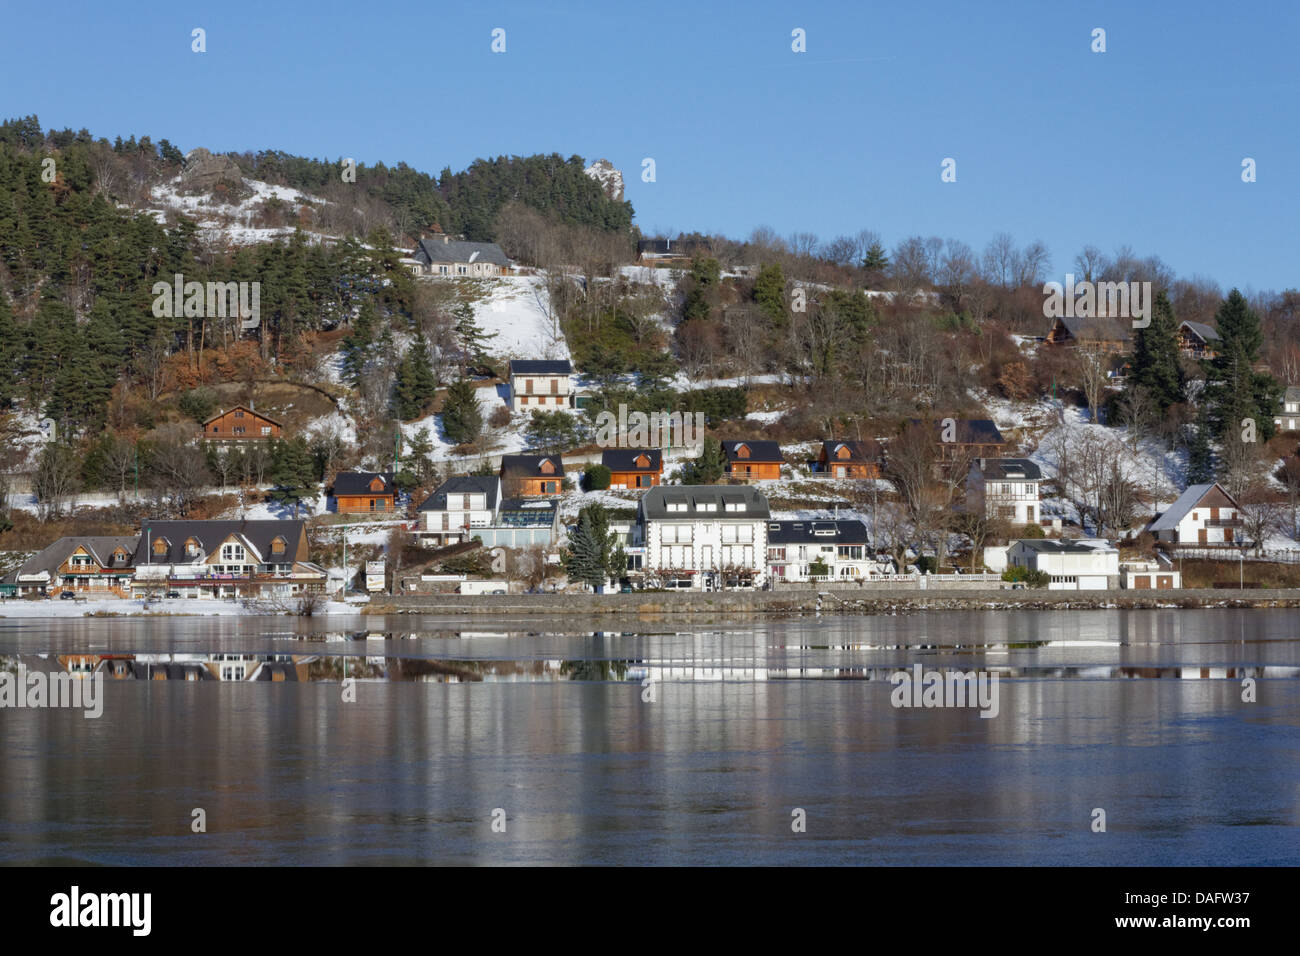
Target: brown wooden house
1104,334
633,467
849,459
1198,340
364,492
241,424
525,475
753,460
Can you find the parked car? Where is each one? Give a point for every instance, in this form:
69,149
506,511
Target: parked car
67,596
173,594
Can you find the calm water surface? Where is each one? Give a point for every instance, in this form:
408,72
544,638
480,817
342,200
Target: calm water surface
1135,712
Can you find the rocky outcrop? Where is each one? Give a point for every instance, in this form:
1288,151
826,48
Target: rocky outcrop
610,179
202,172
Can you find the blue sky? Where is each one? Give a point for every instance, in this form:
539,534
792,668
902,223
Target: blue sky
1141,145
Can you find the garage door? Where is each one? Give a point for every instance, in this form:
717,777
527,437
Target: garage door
1142,581
1092,582
1165,581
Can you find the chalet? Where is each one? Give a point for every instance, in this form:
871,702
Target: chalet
526,475
240,424
452,258
93,566
364,492
225,559
1106,334
458,507
1197,340
1088,564
849,459
753,460
1289,419
669,251
1005,488
799,550
633,467
1204,515
704,537
540,385
974,437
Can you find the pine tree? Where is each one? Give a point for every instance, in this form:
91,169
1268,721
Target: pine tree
1200,453
582,559
1234,391
769,292
1155,357
10,352
415,384
473,340
708,468
462,420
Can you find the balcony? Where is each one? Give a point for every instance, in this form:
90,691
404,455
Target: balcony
1224,523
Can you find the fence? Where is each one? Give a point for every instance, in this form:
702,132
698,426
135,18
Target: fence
1281,556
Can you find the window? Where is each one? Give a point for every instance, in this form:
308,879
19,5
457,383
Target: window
159,546
239,414
266,429
278,546
191,548
232,552
736,505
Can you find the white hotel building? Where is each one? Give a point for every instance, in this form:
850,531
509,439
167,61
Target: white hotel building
705,537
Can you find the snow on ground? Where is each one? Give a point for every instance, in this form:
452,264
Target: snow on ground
231,222
208,607
517,310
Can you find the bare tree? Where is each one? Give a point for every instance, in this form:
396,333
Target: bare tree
1092,367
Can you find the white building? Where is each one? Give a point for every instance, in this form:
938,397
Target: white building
705,537
457,506
1006,488
1088,564
1203,516
1289,420
797,550
540,385
1149,574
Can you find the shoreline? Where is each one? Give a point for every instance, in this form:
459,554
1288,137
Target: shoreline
671,604
827,602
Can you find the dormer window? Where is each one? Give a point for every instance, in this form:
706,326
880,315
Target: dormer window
376,484
278,546
191,548
159,546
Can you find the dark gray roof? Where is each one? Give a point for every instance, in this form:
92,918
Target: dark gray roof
654,504
358,483
810,532
454,250
463,485
674,247
624,459
1292,394
1099,329
761,450
971,431
529,466
868,450
101,548
210,534
1010,468
1202,331
540,367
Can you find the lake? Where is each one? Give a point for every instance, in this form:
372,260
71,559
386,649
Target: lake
564,741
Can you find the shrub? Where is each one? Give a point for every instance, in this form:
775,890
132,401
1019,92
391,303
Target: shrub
1032,531
198,404
595,478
